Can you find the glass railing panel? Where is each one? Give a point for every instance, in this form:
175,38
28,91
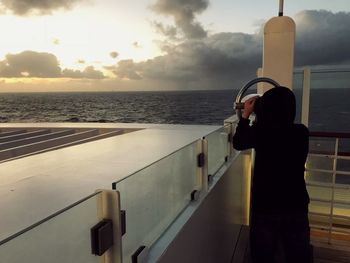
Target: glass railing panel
342,197
319,221
343,162
344,147
329,90
320,207
154,197
298,91
343,172
343,210
343,165
63,238
318,177
217,150
320,162
320,192
324,146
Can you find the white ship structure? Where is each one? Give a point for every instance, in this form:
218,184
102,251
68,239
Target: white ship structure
88,193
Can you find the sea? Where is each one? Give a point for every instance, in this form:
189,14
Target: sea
329,108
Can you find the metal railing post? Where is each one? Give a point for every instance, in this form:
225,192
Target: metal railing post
333,189
306,96
205,185
199,172
108,207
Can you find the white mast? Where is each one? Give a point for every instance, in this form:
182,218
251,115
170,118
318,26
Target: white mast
278,51
280,12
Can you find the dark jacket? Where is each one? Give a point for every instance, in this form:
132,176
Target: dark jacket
281,151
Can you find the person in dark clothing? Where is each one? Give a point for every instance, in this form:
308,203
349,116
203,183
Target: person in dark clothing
279,208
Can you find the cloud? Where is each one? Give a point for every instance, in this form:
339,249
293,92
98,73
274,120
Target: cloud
228,60
33,64
222,60
184,14
30,64
126,69
81,61
168,31
114,54
88,73
136,44
216,60
323,37
27,7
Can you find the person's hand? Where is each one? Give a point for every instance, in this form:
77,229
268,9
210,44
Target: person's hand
249,107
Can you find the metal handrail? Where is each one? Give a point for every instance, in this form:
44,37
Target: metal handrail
318,71
335,201
340,135
335,135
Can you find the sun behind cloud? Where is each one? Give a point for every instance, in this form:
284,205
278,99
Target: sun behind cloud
146,44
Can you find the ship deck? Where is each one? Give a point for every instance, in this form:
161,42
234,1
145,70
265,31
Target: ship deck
65,168
47,182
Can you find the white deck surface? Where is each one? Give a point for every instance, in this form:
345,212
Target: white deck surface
37,186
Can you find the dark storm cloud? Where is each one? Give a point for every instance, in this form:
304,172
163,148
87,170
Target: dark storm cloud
126,69
25,7
184,13
216,60
41,65
226,60
168,31
323,37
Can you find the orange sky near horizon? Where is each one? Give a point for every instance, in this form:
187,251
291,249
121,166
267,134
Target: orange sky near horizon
103,45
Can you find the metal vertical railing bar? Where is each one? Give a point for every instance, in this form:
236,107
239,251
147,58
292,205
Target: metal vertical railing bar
333,188
306,96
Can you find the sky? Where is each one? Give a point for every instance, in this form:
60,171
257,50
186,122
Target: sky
118,45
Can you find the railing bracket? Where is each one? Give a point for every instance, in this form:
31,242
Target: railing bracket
195,195
101,237
229,137
200,160
123,221
210,178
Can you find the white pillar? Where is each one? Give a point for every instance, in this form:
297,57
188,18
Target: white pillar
278,53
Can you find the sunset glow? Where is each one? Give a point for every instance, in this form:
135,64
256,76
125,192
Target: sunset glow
138,44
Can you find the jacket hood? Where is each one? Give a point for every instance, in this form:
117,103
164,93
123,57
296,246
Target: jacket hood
276,106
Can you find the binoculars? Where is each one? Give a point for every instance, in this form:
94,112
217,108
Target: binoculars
239,102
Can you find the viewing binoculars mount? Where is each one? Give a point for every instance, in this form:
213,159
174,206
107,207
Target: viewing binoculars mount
239,105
